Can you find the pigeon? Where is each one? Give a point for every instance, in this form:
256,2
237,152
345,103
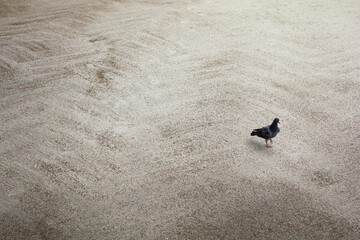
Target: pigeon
267,132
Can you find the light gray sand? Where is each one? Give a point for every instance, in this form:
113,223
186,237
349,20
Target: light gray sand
132,119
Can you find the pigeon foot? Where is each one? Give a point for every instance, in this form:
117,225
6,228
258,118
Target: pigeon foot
268,146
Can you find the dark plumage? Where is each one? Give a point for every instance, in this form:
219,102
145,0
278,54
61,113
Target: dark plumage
267,132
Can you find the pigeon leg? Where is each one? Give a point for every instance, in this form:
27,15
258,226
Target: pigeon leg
270,140
267,145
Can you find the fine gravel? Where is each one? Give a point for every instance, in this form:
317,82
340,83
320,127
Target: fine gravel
131,119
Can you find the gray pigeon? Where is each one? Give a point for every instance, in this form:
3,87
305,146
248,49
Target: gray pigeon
267,132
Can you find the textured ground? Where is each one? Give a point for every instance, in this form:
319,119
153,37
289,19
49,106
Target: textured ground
132,119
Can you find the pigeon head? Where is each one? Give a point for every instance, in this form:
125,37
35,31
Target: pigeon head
276,121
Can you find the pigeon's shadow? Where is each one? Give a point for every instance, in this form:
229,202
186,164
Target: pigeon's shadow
256,145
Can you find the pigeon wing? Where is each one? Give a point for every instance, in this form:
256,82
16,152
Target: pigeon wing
263,132
266,132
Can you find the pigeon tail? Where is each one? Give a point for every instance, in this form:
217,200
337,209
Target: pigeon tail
254,133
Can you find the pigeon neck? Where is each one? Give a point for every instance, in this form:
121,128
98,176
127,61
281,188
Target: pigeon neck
273,125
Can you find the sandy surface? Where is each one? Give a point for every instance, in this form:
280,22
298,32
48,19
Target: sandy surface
132,119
